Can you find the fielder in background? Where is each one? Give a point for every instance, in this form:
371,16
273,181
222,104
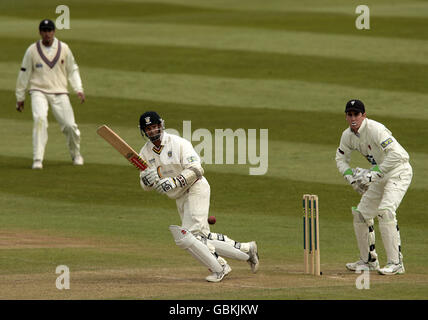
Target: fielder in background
175,170
383,187
46,67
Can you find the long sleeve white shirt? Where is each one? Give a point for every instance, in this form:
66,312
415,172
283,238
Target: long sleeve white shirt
47,69
174,155
375,142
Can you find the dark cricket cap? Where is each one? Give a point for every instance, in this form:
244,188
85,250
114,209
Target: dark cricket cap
355,105
46,24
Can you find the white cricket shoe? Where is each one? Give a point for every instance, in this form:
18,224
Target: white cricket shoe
392,268
218,276
360,265
254,257
37,164
78,160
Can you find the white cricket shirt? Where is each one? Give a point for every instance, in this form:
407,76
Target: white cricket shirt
174,155
375,142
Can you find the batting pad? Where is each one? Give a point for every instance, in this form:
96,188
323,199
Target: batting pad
226,250
187,241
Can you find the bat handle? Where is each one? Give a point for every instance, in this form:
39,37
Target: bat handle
159,171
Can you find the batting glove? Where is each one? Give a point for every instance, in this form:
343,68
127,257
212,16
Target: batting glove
167,184
149,176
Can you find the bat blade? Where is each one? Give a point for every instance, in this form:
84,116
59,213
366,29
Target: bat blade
122,147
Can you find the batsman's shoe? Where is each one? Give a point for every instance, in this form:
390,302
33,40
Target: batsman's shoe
37,164
78,160
392,268
254,257
218,276
360,265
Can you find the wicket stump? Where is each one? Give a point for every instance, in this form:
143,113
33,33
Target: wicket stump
311,243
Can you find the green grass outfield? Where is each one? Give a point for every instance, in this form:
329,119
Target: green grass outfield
285,66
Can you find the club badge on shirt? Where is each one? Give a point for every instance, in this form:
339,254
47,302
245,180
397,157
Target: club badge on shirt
191,159
386,143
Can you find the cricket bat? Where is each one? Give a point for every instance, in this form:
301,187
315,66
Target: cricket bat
120,145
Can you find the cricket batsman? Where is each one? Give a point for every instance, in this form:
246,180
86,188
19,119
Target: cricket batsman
175,170
45,69
383,187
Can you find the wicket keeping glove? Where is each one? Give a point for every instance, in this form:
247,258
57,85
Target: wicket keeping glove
349,176
149,176
365,176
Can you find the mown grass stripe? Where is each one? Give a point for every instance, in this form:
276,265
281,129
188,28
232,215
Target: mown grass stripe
284,125
254,65
140,89
97,187
285,157
239,64
237,38
408,8
320,22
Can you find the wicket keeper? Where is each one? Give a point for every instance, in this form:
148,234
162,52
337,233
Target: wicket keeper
383,187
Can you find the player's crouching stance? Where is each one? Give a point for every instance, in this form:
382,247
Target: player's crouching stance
182,179
382,187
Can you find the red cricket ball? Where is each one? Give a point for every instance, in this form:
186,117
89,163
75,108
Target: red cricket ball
211,220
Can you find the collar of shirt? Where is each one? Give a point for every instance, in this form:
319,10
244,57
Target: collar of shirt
361,129
53,47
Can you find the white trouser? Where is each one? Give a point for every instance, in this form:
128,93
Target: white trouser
63,113
381,200
193,208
